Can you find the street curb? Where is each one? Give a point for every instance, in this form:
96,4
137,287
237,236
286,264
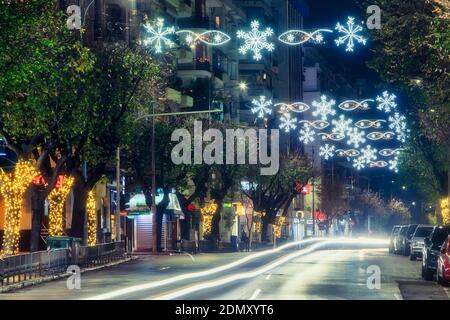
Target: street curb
45,279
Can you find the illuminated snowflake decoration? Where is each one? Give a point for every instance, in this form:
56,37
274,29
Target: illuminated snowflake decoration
323,108
398,124
327,151
158,35
393,164
355,137
342,125
262,107
368,153
306,134
350,34
359,163
287,123
255,40
386,102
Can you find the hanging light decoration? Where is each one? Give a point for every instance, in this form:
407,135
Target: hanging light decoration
255,40
210,37
350,34
297,37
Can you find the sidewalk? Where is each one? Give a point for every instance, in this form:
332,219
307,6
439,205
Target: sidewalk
43,279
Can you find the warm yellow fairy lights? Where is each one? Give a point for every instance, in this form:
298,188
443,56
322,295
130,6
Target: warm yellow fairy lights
445,211
12,187
92,219
57,199
257,227
207,212
277,226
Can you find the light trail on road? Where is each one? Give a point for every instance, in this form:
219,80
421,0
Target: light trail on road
156,284
251,274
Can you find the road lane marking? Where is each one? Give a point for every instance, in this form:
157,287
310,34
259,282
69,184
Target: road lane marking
164,268
268,276
251,274
255,294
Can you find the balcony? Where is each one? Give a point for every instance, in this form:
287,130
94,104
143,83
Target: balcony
180,99
185,56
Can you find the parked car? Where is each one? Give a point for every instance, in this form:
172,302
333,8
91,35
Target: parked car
431,250
443,267
394,232
399,240
407,239
416,242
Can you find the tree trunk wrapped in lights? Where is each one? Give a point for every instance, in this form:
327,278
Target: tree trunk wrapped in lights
445,211
277,226
57,199
12,187
92,219
207,215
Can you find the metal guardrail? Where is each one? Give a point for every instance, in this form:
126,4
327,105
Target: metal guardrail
90,256
28,266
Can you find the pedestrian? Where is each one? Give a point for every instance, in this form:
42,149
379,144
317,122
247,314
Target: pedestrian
244,238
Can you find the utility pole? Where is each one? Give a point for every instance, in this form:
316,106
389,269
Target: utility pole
313,196
117,214
153,208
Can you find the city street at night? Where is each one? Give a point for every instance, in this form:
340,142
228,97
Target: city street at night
325,274
225,158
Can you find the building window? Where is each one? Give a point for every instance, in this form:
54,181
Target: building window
115,26
217,21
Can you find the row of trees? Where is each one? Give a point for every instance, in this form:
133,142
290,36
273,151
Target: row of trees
62,104
383,214
65,108
197,183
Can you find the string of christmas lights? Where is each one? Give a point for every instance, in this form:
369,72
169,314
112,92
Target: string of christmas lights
12,187
207,212
57,199
92,219
256,39
346,131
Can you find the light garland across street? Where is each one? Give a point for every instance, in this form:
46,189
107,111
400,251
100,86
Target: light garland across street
256,39
341,135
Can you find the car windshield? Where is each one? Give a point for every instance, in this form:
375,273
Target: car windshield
411,229
423,232
439,235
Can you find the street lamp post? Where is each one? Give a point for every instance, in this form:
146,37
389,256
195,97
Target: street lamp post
313,196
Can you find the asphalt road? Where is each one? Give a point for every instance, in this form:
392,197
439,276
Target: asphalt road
329,273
